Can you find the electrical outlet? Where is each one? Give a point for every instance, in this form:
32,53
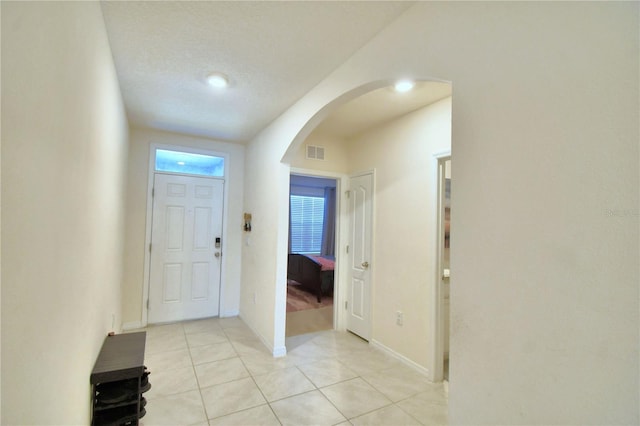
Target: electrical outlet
399,318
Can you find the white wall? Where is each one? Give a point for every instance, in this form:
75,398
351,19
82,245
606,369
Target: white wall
405,210
64,141
544,298
137,190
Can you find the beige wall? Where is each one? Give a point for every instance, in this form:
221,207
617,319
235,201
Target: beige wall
405,208
545,241
137,190
402,154
335,151
263,264
64,141
545,126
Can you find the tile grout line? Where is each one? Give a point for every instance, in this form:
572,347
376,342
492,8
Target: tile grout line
193,367
258,387
358,375
319,389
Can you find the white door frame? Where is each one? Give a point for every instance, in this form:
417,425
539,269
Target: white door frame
339,294
436,368
147,255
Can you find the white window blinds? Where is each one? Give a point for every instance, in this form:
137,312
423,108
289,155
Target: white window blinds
307,217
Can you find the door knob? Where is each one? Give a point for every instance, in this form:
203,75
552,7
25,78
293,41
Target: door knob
217,254
365,264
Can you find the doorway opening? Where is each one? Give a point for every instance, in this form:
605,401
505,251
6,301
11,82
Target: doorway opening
443,271
313,218
374,128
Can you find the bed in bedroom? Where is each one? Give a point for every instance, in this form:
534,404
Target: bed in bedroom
313,272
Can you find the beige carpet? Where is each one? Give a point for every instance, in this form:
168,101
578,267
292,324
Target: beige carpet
309,321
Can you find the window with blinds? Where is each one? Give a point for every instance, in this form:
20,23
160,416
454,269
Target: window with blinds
307,220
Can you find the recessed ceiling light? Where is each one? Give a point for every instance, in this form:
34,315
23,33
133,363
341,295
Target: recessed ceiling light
180,163
218,80
404,86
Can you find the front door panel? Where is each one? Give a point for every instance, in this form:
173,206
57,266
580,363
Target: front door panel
185,264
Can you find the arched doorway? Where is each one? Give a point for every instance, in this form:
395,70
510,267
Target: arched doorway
346,111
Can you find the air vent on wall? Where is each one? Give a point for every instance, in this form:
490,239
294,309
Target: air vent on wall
315,152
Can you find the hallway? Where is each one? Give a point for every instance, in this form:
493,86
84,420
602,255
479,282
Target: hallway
216,372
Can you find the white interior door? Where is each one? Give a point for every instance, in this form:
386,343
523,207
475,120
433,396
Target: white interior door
186,236
359,283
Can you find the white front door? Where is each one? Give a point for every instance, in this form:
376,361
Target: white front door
186,237
360,230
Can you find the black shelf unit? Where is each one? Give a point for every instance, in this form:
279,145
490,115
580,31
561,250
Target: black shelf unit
119,378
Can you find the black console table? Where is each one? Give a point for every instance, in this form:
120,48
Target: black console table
119,379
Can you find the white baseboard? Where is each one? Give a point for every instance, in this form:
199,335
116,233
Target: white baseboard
403,359
280,351
228,314
132,325
277,352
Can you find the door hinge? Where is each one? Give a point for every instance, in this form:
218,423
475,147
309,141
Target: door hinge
153,192
149,247
147,304
346,305
347,249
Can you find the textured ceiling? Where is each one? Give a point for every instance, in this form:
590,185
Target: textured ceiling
274,53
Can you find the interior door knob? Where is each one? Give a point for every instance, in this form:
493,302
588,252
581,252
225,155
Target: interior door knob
365,264
217,254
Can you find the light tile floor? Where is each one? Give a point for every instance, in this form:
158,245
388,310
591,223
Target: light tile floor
216,372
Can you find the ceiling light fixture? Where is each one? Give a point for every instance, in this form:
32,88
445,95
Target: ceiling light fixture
218,80
404,86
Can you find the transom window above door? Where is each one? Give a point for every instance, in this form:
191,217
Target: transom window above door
189,163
